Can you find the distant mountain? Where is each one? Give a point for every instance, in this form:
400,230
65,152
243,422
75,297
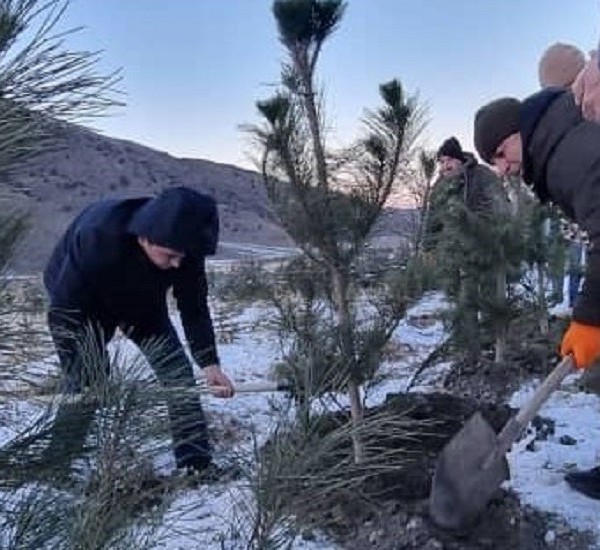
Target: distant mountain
86,166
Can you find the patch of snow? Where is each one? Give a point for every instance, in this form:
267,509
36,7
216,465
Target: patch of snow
207,517
537,476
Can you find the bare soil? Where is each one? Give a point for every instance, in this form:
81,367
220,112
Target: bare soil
398,518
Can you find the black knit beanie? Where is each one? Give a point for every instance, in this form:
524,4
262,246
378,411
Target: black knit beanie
494,122
451,148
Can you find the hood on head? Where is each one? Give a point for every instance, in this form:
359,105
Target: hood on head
179,218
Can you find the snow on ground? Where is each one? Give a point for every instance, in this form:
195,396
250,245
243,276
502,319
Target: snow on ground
419,341
538,476
250,359
208,517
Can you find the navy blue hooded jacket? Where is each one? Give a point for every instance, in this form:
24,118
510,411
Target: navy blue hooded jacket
99,272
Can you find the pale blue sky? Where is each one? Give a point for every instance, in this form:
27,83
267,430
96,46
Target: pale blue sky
193,69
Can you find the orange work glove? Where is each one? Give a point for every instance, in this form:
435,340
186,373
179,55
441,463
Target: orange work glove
583,342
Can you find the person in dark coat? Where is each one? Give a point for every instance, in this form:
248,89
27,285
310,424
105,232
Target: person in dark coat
463,179
547,141
465,197
560,65
112,269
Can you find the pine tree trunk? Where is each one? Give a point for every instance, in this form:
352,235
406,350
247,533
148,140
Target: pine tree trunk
357,414
542,303
421,233
467,323
501,327
312,116
340,296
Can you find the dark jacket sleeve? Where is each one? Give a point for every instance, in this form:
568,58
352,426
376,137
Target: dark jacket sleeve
191,293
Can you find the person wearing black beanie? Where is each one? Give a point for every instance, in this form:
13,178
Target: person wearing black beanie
461,178
546,140
451,148
112,269
450,158
493,124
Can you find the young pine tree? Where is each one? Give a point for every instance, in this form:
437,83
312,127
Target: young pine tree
329,200
478,248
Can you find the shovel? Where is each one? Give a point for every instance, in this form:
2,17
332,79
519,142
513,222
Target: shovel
159,391
473,464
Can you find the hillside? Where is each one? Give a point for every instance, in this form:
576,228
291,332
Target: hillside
86,166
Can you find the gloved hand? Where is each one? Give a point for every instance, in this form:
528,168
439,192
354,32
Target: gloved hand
583,342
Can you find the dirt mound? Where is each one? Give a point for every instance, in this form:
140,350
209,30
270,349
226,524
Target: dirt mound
397,516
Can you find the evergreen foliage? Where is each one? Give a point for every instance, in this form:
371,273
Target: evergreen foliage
486,250
329,201
41,81
478,249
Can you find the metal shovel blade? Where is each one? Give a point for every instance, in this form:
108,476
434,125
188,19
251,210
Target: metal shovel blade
473,464
469,470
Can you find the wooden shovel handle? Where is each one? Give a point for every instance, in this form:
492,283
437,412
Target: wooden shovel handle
254,387
249,387
513,428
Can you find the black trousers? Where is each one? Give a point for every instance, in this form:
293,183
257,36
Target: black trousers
81,348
